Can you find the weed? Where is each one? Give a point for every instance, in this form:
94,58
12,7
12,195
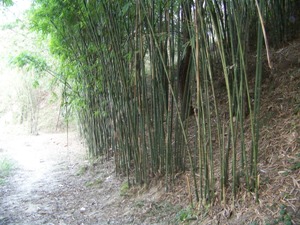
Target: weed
82,170
124,188
139,203
283,218
6,166
285,173
185,215
296,166
96,182
253,223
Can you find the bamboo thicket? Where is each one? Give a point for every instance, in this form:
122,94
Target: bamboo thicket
165,86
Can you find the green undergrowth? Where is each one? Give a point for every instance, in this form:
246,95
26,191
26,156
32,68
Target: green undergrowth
6,166
186,216
124,189
94,183
283,218
296,163
82,170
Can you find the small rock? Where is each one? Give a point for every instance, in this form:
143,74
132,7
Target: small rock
82,209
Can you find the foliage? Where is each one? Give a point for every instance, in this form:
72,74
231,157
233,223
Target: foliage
30,61
7,2
33,84
139,73
10,26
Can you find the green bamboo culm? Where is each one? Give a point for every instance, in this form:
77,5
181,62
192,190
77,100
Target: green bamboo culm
164,87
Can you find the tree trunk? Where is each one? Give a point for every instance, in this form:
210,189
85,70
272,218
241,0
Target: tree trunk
183,72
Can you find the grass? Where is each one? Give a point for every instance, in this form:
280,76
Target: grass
186,215
6,166
96,182
82,170
124,189
139,204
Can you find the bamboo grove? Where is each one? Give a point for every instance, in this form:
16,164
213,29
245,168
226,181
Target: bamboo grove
166,87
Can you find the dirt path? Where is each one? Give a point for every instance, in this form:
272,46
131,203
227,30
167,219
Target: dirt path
46,188
54,184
